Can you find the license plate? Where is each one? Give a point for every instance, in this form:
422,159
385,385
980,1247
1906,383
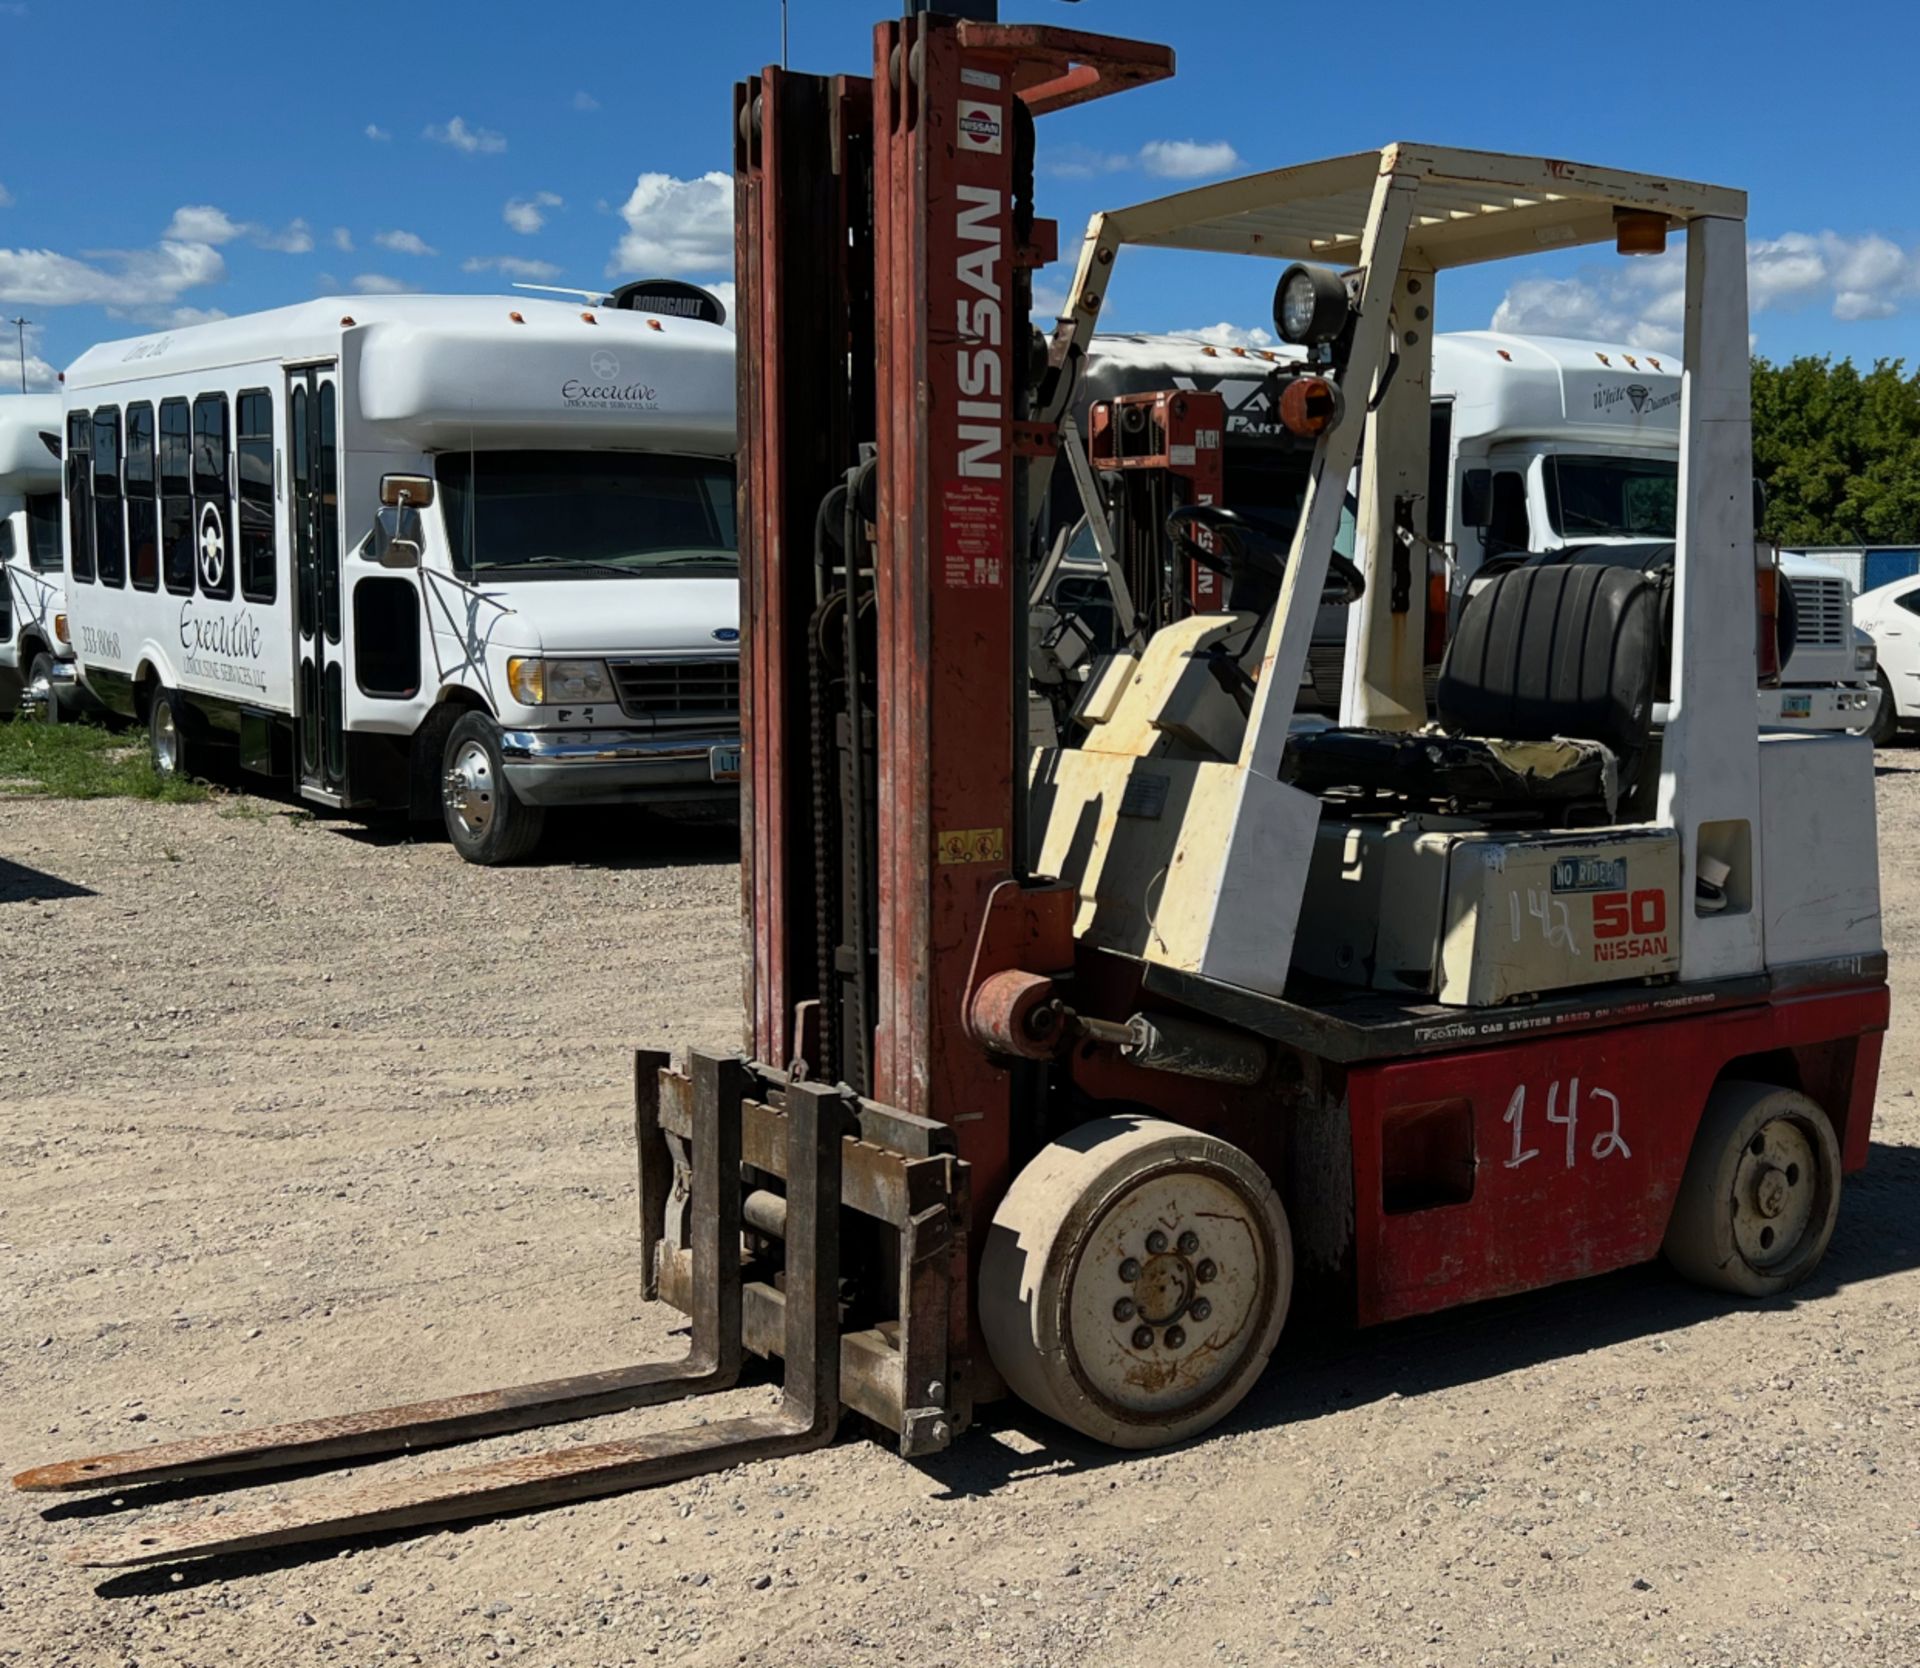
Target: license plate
726,764
1796,706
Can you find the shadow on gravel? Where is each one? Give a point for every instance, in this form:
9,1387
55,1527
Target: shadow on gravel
1315,1372
19,884
1325,1370
590,837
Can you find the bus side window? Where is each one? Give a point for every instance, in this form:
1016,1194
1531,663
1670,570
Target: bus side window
176,497
109,520
213,540
143,521
80,495
253,454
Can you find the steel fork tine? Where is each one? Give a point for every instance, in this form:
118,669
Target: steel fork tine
712,1361
807,1417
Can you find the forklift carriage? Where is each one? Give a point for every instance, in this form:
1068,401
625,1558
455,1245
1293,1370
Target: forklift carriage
1071,1068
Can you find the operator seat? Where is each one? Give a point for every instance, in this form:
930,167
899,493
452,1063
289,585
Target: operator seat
1545,702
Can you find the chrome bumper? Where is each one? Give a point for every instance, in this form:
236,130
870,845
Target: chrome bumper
606,767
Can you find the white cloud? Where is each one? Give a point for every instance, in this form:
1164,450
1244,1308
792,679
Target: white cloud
1187,159
342,239
585,101
404,243
379,135
1643,303
512,266
6,197
527,215
378,283
676,226
1167,159
475,141
118,278
295,238
202,223
725,290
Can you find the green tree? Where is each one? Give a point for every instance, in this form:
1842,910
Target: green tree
1839,451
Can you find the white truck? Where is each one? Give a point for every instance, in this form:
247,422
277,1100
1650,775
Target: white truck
469,556
1537,445
36,661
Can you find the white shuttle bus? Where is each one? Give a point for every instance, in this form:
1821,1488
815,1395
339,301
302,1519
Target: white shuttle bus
470,556
36,663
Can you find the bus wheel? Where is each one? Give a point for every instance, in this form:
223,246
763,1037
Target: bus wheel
168,728
1761,1193
42,693
486,821
1135,1280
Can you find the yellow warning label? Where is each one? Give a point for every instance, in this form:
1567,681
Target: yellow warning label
973,845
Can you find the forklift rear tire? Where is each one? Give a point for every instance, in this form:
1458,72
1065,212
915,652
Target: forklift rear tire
1757,1205
486,820
1135,1280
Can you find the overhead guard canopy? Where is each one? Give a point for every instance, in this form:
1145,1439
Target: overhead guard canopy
1473,206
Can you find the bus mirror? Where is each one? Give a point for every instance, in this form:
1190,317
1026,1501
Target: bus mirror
1476,498
397,537
416,490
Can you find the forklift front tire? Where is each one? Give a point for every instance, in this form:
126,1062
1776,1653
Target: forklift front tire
1757,1205
1135,1280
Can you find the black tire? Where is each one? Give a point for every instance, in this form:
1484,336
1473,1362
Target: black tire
52,710
485,819
172,742
1757,1205
1884,731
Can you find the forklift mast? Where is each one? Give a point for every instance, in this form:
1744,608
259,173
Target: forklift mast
885,527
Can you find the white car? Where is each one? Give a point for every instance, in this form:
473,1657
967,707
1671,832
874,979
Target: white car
1890,614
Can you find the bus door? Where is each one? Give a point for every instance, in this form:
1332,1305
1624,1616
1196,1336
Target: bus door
313,431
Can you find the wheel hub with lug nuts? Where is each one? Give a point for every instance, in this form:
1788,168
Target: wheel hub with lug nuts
469,788
166,741
1166,1313
1774,1194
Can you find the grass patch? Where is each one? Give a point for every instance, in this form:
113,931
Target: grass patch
83,761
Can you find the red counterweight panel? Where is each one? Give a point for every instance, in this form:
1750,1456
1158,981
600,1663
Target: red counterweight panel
1167,448
1507,1168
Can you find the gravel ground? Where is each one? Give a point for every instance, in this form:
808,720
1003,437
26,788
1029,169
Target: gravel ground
297,1118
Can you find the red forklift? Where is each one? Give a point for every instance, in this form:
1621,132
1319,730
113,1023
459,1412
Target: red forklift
1069,1068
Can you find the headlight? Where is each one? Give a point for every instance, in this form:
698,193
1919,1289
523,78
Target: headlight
558,683
1865,657
1310,305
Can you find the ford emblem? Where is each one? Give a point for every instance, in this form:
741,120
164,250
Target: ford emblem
727,634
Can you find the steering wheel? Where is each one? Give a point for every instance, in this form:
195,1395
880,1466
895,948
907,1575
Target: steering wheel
1244,550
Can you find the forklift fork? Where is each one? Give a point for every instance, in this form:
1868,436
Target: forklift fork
807,1416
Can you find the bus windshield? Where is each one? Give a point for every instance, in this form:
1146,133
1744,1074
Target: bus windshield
1620,498
571,514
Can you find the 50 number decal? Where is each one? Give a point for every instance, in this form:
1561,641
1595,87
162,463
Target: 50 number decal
1564,1112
